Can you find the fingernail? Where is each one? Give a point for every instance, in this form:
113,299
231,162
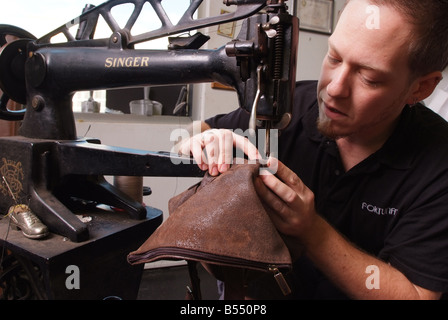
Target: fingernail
268,163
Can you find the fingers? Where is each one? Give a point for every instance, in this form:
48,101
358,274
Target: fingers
285,182
193,146
213,149
218,148
275,185
291,200
272,201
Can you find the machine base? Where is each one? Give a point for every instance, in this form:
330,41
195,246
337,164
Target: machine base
96,269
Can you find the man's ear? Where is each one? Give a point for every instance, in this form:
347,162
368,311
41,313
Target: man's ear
424,86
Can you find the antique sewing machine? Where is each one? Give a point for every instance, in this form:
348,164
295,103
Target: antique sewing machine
48,163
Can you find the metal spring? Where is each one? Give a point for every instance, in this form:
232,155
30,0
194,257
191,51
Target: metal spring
278,59
278,51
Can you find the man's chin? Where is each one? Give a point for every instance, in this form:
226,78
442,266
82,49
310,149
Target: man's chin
326,129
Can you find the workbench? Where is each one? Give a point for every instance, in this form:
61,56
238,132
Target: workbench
95,269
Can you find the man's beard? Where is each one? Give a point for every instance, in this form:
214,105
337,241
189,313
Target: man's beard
325,128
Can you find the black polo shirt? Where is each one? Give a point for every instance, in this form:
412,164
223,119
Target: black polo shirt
393,205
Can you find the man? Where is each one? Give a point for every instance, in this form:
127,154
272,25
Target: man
362,198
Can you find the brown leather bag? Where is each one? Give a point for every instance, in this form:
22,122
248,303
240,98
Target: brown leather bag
222,223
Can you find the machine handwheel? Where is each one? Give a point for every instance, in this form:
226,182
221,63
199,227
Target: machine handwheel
13,42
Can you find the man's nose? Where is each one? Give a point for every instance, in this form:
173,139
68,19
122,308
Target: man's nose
339,86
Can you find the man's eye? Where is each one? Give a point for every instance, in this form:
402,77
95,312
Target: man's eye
370,83
333,60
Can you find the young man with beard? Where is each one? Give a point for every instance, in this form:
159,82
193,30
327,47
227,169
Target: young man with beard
365,191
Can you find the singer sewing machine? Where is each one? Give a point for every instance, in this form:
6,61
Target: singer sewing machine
50,165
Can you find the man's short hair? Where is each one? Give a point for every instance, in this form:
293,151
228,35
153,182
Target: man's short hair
428,50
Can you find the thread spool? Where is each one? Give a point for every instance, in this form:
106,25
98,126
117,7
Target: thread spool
131,186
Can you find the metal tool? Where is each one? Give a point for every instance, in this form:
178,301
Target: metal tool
260,64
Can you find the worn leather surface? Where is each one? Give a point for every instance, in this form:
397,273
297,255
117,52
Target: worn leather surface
222,216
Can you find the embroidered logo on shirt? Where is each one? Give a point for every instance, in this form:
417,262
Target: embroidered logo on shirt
378,210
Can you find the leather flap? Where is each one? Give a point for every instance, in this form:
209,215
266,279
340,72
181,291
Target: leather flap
222,216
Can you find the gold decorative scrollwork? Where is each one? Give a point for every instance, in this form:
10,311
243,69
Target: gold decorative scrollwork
12,171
